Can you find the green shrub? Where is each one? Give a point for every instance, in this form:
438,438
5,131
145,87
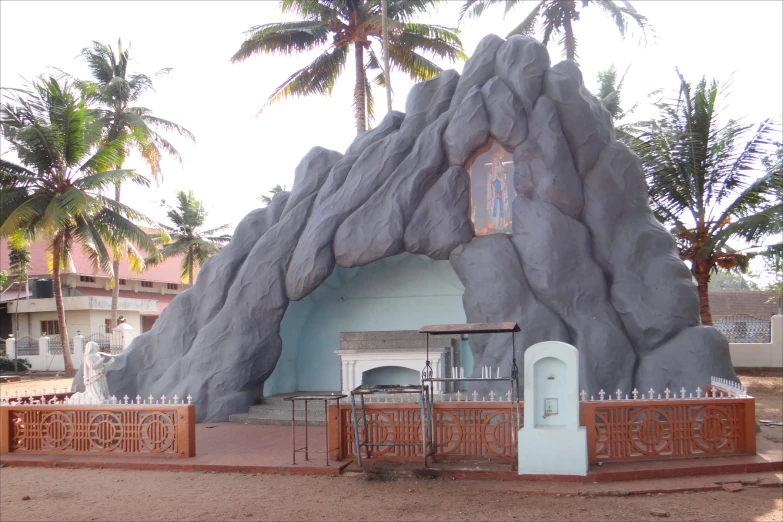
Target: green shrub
7,365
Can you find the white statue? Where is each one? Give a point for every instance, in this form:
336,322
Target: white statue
96,390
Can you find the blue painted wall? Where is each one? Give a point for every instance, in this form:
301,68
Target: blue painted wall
391,375
397,293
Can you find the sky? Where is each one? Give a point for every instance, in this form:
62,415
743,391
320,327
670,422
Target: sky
238,155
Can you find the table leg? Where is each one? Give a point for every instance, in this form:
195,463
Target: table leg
326,426
307,454
293,431
356,430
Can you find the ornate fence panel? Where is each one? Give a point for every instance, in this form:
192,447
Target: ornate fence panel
741,328
56,345
463,430
675,428
118,429
618,430
109,343
27,346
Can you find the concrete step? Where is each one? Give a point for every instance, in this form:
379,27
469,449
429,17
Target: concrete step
313,411
274,419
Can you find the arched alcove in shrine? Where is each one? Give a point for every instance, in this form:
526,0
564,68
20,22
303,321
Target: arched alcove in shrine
399,293
491,171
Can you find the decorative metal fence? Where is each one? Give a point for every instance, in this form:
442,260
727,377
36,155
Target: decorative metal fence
27,346
109,343
741,328
620,427
56,345
120,428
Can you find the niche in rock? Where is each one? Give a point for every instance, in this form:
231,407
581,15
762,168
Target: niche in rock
491,171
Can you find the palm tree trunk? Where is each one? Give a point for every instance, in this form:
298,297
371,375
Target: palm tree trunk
58,300
358,92
16,316
702,275
386,76
190,266
570,42
115,291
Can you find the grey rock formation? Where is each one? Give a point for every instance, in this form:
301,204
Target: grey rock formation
508,122
480,265
440,223
564,277
467,130
479,69
691,357
521,62
586,263
543,167
586,124
651,288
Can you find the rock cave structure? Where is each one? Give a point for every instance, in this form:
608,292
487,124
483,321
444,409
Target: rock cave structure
586,264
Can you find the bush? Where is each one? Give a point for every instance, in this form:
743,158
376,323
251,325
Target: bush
7,365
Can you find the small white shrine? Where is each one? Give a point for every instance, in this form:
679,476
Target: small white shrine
552,442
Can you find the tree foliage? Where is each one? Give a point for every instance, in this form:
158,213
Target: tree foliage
337,27
185,235
556,18
115,91
266,200
56,189
707,181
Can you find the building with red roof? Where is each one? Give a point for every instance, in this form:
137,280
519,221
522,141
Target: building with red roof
86,295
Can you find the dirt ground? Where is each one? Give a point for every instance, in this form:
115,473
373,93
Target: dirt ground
66,494
767,388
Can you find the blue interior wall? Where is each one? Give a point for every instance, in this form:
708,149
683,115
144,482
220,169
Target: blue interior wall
398,293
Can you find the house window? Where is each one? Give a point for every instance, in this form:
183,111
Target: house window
146,284
172,286
107,323
86,279
123,282
50,328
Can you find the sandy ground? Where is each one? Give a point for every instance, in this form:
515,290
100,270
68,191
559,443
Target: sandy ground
65,494
767,388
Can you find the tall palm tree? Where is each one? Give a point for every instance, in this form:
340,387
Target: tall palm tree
116,91
55,189
707,181
186,238
557,18
339,25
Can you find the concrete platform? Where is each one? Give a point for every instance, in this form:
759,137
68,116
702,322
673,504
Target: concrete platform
230,447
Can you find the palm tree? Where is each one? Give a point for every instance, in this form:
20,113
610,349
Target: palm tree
116,91
55,189
266,200
704,180
186,238
339,25
557,17
19,264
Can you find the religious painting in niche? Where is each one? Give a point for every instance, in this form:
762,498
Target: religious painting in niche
491,172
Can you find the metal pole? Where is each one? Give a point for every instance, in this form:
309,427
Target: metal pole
293,430
356,430
307,452
364,425
326,425
423,414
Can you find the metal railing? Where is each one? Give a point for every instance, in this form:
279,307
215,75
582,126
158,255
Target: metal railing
27,346
109,343
56,345
742,328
